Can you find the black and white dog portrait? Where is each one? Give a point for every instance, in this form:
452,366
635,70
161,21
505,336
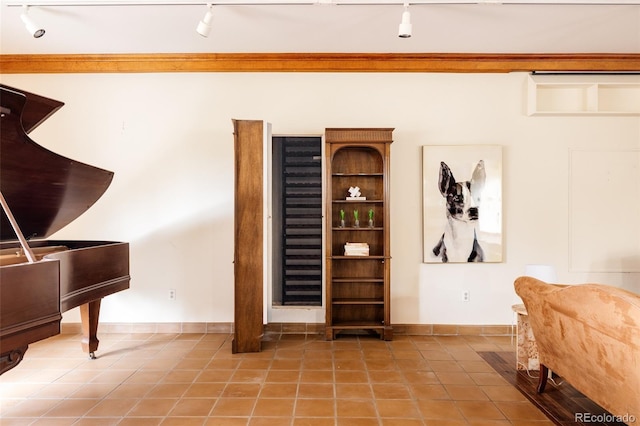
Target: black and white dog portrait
462,204
459,239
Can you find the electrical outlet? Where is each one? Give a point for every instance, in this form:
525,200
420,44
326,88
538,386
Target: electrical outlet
172,294
466,296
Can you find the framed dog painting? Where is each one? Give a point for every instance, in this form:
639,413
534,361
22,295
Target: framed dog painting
462,203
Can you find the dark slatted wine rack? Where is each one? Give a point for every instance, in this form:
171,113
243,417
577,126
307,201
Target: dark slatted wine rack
301,221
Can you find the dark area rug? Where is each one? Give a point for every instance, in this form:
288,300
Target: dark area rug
560,402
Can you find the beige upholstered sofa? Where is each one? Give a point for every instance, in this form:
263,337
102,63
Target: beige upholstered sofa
588,334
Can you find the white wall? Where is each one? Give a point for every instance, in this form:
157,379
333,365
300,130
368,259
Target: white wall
168,138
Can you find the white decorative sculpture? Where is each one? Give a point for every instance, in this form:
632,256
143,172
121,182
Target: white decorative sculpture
355,194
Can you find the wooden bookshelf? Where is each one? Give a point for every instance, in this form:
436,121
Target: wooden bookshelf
358,286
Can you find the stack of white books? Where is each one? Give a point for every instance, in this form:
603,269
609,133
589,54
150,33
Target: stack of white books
356,249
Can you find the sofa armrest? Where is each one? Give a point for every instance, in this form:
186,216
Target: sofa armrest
590,335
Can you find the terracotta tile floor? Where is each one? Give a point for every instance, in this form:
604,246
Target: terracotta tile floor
193,379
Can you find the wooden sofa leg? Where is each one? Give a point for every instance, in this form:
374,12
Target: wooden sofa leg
542,381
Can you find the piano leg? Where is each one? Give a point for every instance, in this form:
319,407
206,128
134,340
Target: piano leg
12,358
89,313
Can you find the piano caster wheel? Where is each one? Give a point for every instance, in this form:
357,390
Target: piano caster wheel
92,355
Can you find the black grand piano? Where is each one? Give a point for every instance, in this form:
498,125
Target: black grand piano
41,192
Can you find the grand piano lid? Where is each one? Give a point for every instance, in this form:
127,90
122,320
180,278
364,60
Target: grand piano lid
44,190
36,110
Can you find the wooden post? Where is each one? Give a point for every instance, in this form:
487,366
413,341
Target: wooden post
249,235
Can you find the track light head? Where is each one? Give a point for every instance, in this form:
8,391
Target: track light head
34,29
404,30
204,26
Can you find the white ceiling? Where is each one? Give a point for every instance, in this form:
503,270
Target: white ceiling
258,28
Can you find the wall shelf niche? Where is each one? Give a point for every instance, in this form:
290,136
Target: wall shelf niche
568,94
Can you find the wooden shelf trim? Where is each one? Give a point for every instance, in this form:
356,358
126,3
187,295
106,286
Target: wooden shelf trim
357,325
315,62
357,201
362,228
359,257
357,302
338,174
358,280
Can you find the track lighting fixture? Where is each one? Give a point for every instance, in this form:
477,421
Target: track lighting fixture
34,29
204,26
404,30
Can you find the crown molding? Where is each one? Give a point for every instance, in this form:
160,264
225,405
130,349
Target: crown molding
317,62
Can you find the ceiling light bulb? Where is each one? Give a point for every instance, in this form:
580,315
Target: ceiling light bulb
34,29
204,26
404,30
